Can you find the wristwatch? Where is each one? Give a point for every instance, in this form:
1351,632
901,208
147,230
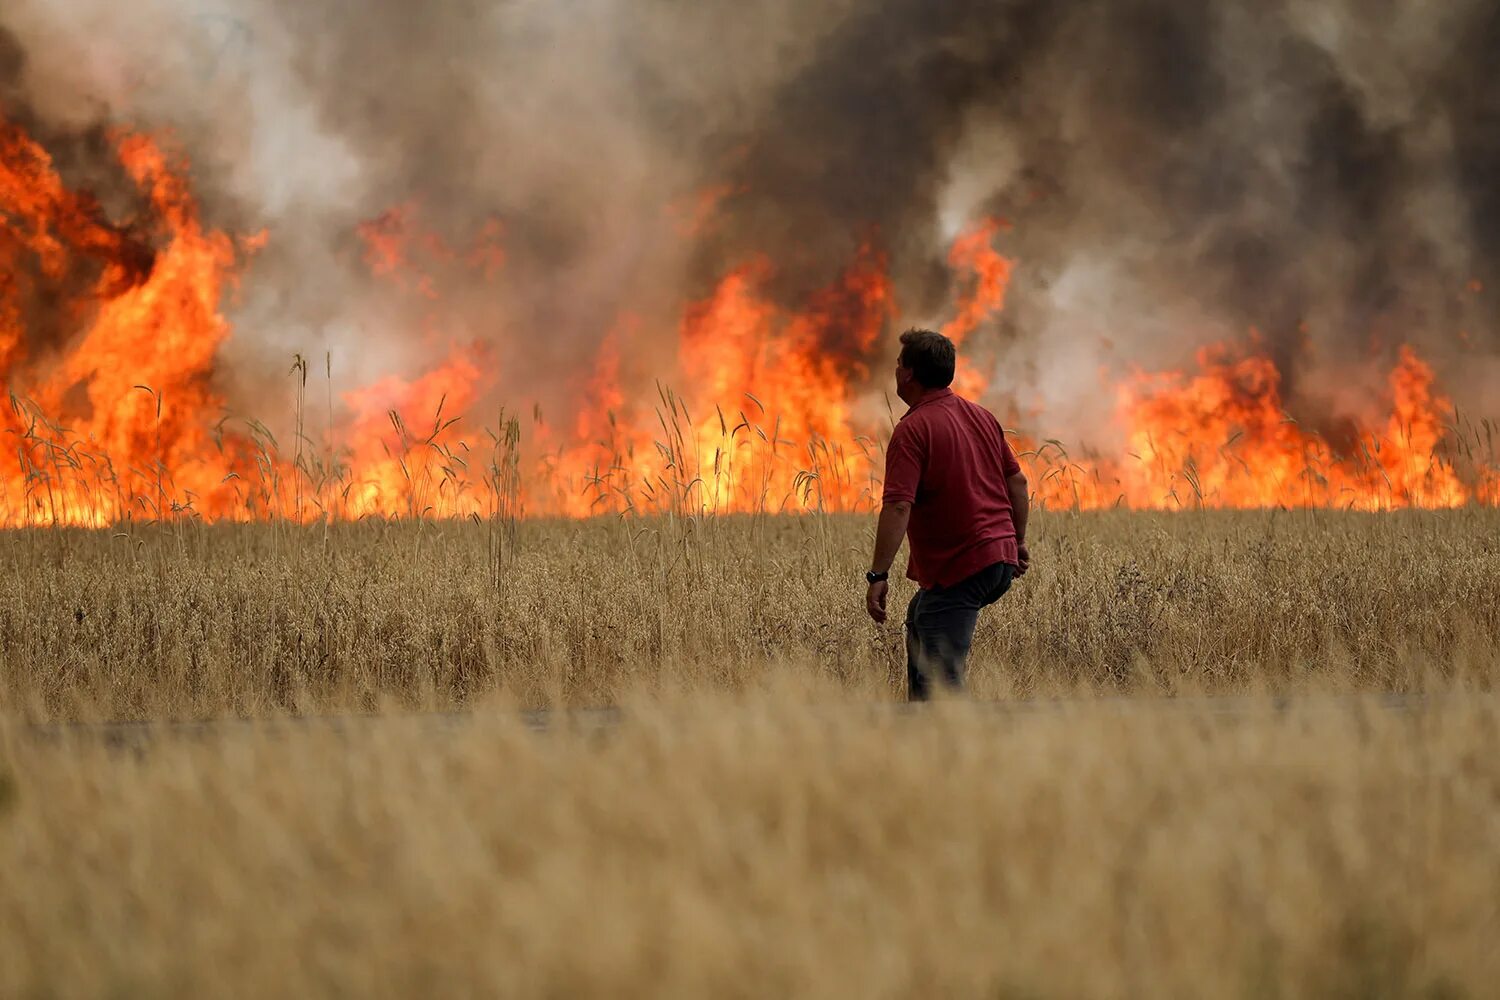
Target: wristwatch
877,577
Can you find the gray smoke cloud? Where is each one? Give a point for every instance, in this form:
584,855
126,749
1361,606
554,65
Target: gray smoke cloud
1176,172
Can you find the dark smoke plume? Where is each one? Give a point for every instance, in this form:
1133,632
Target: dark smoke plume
1317,171
1176,171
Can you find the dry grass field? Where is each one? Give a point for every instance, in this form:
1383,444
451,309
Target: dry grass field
208,620
758,822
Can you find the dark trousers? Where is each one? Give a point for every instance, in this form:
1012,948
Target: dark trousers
940,628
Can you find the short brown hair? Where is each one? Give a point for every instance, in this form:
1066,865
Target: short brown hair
930,356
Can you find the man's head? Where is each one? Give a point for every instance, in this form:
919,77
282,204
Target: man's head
926,363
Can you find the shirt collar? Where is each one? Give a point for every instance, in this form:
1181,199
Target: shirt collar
932,396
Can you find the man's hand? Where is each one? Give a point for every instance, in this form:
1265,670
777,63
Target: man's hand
875,601
1023,559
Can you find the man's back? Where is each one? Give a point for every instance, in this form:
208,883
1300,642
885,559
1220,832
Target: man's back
949,458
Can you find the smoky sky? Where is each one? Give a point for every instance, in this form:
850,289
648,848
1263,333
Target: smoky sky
1291,167
1175,171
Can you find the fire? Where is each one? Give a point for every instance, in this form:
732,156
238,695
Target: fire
109,391
790,436
1220,437
974,252
767,419
396,466
111,332
399,249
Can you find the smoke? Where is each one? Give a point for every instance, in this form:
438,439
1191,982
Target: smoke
1176,172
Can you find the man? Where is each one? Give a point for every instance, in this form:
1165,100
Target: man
954,488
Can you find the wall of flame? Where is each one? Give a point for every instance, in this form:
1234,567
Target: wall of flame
113,330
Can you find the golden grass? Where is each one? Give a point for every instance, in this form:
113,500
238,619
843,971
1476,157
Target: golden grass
759,824
768,848
210,620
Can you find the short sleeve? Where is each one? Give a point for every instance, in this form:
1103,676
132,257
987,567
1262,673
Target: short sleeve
903,465
1009,464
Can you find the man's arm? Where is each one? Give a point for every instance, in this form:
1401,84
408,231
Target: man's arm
1020,499
904,461
889,531
1020,510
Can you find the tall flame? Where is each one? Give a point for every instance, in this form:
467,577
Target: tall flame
110,334
974,253
117,416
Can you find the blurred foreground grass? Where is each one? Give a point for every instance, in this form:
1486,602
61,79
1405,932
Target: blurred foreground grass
772,844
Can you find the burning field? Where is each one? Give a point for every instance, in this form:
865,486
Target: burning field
461,355
113,330
386,379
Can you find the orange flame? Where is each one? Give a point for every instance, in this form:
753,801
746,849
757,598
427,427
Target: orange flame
113,414
405,456
974,252
1221,438
110,333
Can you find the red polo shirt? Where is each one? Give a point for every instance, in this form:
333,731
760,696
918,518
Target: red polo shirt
950,459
